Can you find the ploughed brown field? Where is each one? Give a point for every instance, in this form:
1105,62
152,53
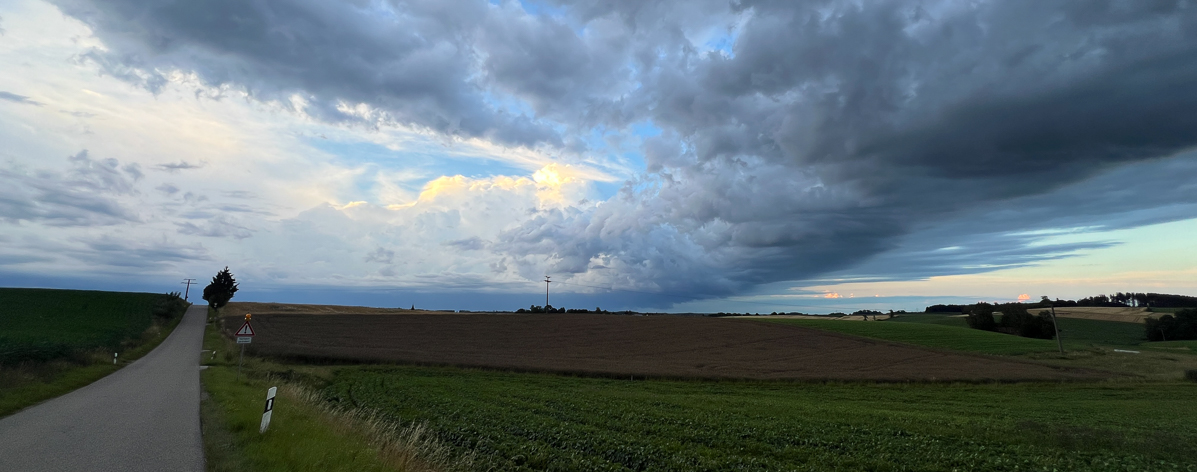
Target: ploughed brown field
613,345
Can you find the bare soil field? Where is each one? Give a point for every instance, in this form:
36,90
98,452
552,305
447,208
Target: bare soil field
256,308
1128,315
620,346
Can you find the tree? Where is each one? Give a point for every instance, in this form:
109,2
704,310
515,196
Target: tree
980,316
221,290
1181,326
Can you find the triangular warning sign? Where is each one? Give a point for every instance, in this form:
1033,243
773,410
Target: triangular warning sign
246,330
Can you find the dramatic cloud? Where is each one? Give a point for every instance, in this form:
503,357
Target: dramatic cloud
762,141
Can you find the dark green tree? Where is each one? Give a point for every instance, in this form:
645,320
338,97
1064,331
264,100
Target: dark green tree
221,290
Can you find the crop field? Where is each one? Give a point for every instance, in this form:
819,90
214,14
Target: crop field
54,341
523,421
951,332
38,325
1123,314
259,308
673,393
627,346
930,334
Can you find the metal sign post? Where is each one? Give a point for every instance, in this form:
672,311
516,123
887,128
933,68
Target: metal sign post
269,409
245,335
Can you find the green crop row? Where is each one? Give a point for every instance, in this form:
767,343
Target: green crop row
543,422
39,325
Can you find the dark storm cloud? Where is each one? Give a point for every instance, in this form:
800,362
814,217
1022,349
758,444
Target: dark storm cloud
412,61
85,195
797,138
12,97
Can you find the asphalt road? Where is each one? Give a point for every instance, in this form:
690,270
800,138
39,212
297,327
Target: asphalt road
144,417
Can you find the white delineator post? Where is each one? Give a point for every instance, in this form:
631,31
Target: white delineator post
114,358
269,409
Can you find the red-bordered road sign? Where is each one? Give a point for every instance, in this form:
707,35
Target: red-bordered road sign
246,329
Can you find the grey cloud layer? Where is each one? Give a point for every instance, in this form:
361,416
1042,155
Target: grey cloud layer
12,97
827,133
83,196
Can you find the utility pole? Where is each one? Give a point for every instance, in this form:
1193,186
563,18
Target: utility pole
546,292
187,293
1059,342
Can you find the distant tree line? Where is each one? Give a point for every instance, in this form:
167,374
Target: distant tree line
945,309
1158,300
1015,319
550,309
1177,327
1120,299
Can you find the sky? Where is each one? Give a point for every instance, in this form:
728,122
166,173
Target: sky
747,156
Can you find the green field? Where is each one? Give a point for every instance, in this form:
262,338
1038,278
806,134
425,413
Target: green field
947,332
929,334
54,341
1173,346
544,422
43,324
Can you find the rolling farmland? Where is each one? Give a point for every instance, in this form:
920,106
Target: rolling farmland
621,346
692,393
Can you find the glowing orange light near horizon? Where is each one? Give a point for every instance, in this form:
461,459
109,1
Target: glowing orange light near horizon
832,295
1024,297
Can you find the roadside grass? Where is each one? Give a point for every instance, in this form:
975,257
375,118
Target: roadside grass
306,433
518,422
56,341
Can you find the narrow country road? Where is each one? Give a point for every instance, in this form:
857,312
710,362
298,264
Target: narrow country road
144,417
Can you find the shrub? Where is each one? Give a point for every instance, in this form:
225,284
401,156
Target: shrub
1191,374
980,316
982,321
1015,320
1181,326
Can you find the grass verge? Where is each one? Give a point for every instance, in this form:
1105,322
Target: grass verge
306,433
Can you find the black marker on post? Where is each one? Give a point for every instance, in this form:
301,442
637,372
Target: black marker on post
269,409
